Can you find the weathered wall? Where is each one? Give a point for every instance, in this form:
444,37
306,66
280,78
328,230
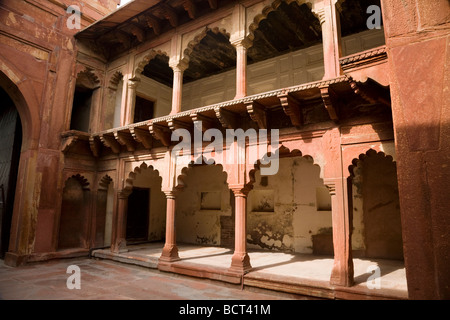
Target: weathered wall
201,204
283,211
418,38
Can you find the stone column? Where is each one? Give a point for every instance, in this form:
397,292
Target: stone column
170,250
120,227
240,262
331,37
178,70
342,272
128,112
241,68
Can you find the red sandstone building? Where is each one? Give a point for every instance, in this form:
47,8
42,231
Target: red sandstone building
364,137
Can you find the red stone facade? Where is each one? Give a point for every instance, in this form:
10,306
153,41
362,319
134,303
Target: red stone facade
388,105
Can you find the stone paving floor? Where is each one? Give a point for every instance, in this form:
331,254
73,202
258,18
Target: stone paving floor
110,280
265,263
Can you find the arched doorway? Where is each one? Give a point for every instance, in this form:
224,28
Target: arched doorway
10,146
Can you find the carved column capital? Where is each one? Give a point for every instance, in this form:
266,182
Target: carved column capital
240,191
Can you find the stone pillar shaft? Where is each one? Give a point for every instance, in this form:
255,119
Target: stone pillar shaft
240,262
170,250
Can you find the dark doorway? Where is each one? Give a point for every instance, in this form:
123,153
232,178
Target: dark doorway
137,217
81,109
143,109
10,146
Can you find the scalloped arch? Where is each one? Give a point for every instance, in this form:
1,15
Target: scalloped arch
89,77
104,182
186,52
81,179
268,9
282,152
133,174
181,178
369,153
140,65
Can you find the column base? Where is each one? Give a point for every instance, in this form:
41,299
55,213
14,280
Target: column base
169,254
240,263
120,247
342,276
15,260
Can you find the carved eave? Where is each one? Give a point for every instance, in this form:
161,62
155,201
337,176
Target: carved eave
142,136
292,108
257,113
160,133
110,142
363,59
330,101
125,139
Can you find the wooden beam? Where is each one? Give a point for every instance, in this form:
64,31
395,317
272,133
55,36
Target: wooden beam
191,9
142,136
329,100
170,14
110,142
153,23
138,33
160,133
292,108
125,139
257,113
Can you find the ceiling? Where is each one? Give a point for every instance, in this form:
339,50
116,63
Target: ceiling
289,28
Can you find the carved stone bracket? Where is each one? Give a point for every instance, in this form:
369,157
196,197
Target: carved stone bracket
207,123
292,108
369,94
177,124
95,146
160,133
142,136
125,139
329,100
110,142
228,119
68,142
257,113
